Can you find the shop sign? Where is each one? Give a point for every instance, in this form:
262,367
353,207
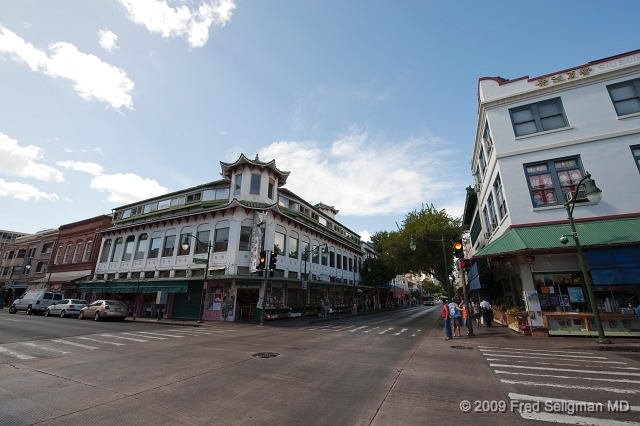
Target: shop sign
216,303
249,285
304,284
200,261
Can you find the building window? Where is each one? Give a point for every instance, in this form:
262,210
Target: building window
625,97
76,253
284,202
305,251
221,239
315,255
350,264
487,222
238,186
154,247
169,244
185,236
178,201
476,228
344,263
635,150
482,164
293,247
324,258
272,184
164,204
538,117
67,252
41,267
47,247
553,179
245,238
278,245
117,250
486,138
492,212
87,251
339,261
332,259
128,248
150,208
104,257
254,188
502,204
141,247
202,247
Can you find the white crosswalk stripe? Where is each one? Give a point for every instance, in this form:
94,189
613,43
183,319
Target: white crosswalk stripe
99,341
366,329
159,334
80,345
401,331
122,337
146,337
15,354
44,347
548,374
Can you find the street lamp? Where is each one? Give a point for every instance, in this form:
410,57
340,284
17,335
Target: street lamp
185,246
594,194
27,266
306,254
412,246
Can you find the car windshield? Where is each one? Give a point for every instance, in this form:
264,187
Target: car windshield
114,303
79,302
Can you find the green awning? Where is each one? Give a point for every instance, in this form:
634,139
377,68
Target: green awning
544,237
132,287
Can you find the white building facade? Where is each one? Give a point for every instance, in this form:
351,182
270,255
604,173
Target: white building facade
536,139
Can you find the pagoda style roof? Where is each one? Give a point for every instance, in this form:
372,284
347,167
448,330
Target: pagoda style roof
229,168
321,205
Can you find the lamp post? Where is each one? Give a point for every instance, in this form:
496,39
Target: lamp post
306,254
594,194
185,246
412,245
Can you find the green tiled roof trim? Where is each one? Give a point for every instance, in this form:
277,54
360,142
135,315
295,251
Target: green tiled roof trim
591,233
313,224
255,205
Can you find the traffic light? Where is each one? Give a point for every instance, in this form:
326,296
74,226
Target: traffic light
273,261
465,264
263,260
458,247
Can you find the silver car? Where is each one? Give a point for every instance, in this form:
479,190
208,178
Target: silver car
105,309
66,307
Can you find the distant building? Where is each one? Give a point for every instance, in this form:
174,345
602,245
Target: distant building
12,256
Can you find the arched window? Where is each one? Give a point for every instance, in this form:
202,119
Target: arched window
87,251
117,250
67,251
169,243
128,248
76,253
106,248
142,247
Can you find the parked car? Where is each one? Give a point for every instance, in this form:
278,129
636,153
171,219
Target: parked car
66,307
104,309
34,302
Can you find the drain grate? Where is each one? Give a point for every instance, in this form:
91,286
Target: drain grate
265,355
461,347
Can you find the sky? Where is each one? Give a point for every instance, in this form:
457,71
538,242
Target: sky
372,105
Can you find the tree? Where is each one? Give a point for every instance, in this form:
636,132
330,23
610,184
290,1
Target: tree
380,274
431,288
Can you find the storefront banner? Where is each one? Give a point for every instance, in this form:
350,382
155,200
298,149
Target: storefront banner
259,219
216,302
575,294
553,300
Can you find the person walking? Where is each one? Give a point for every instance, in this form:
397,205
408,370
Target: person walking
326,306
486,312
456,317
476,312
446,319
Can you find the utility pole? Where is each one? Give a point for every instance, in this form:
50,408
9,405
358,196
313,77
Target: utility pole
265,271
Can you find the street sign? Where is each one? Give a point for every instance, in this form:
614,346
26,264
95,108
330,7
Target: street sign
304,284
200,261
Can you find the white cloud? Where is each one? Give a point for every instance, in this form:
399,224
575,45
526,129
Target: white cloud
81,166
365,235
107,40
23,191
22,161
361,177
127,187
180,21
93,79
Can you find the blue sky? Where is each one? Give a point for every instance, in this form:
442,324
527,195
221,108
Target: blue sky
372,105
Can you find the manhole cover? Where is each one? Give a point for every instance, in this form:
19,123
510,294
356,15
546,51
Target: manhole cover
265,355
461,347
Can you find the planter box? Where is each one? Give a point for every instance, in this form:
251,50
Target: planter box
539,332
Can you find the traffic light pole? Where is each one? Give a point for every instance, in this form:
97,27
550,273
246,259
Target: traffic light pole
265,271
465,292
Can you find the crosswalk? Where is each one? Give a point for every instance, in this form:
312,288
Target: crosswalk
68,345
366,329
568,386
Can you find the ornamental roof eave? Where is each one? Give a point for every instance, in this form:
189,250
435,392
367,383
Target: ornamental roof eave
171,194
227,168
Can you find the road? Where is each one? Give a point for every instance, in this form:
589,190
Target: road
387,368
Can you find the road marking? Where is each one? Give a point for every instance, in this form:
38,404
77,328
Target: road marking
359,328
554,385
371,329
100,341
16,354
517,373
158,334
382,332
567,370
558,359
535,350
9,319
43,347
122,337
570,365
575,420
520,397
346,328
401,331
485,351
80,345
193,331
146,337
414,334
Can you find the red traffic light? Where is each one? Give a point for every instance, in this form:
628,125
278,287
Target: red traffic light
465,264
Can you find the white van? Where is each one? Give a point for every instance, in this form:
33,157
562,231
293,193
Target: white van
35,302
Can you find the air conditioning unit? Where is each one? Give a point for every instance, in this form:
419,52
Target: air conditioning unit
477,187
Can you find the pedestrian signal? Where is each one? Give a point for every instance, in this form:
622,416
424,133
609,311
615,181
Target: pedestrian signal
465,264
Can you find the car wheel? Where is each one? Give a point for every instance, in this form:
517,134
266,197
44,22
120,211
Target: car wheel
63,314
96,317
47,313
13,310
29,310
80,316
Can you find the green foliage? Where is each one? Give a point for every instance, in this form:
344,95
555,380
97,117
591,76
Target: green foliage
427,223
432,288
380,274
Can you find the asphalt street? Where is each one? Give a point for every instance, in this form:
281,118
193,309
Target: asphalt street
389,368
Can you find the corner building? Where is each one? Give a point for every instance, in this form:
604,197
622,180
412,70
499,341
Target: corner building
154,256
536,139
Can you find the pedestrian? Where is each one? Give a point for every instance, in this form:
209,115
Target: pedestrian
486,312
456,317
446,319
325,307
476,312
